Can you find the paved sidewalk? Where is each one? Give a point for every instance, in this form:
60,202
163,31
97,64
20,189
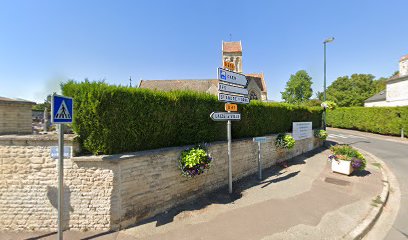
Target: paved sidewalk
304,201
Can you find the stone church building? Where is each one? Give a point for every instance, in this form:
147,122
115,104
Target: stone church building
231,52
396,91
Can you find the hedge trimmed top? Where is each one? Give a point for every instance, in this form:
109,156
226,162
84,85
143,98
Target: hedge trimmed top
115,119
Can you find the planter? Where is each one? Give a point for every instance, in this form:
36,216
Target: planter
341,166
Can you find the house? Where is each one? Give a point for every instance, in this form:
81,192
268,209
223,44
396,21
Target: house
15,116
231,52
396,92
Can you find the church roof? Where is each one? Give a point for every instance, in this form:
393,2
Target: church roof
232,47
259,79
186,84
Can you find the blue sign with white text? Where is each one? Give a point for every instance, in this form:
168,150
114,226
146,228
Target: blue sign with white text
62,109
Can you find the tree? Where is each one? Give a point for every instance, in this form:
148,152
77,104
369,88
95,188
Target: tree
298,88
354,90
42,106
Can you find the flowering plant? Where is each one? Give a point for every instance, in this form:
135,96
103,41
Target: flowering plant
284,141
321,134
194,161
347,153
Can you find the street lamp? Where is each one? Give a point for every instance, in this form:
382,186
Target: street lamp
324,92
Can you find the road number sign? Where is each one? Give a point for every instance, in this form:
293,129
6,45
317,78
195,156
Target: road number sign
229,65
231,89
231,77
231,107
225,116
231,98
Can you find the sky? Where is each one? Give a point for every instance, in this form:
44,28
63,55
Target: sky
43,43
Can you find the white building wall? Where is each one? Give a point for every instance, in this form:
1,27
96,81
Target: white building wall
397,93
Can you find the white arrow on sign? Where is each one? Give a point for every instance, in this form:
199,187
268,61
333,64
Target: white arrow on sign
228,88
231,77
225,116
231,98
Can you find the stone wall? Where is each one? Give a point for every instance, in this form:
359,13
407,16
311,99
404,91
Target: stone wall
15,118
111,192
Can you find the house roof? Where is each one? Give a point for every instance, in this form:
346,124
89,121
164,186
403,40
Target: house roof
4,100
232,47
259,79
379,97
187,84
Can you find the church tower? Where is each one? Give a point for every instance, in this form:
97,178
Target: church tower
232,52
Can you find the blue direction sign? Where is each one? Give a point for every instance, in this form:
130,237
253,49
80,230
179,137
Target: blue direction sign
231,77
62,109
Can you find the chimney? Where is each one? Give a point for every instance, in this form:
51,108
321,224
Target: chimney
403,66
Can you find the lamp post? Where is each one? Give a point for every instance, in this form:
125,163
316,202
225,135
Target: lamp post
324,86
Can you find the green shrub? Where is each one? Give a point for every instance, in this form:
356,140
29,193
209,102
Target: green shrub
284,141
321,134
114,119
383,120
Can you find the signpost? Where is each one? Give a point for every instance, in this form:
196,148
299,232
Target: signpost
230,107
222,97
225,116
231,77
61,112
232,89
260,140
229,65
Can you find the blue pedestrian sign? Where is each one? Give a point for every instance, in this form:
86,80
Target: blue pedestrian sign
62,109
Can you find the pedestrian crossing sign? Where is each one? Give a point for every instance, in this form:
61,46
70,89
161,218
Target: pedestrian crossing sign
62,109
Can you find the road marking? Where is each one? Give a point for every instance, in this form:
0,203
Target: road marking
337,136
344,136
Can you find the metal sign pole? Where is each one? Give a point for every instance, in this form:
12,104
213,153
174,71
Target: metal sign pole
229,157
259,162
60,179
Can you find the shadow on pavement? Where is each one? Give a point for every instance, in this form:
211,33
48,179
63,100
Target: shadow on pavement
43,236
361,173
221,195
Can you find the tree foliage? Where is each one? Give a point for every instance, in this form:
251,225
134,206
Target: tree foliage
354,90
298,88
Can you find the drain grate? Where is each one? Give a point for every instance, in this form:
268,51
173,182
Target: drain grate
337,181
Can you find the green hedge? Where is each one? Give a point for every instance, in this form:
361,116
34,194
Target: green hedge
383,120
114,119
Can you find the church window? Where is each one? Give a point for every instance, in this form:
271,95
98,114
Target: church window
253,95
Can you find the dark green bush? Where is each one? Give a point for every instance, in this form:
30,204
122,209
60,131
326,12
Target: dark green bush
114,119
383,120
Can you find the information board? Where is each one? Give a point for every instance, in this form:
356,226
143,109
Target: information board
302,130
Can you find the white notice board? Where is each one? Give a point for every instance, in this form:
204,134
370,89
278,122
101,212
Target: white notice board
302,130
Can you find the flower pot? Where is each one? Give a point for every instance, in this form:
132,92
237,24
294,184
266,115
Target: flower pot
342,166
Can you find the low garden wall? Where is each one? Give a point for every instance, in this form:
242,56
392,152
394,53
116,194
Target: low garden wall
112,191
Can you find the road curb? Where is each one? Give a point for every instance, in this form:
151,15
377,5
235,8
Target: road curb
368,222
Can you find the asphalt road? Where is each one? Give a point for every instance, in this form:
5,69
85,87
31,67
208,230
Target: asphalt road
395,155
